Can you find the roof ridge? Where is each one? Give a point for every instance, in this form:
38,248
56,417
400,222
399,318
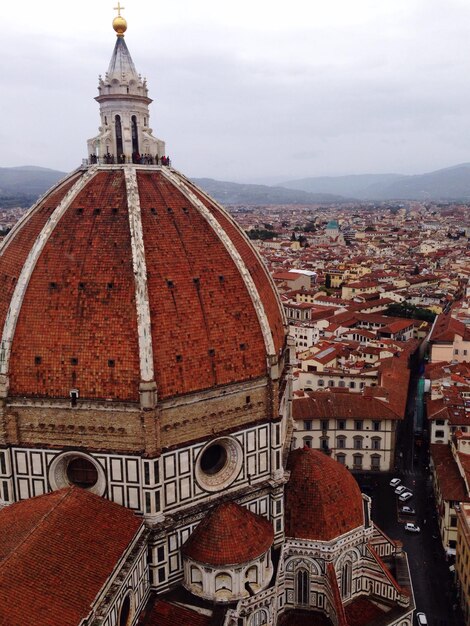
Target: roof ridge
14,552
385,569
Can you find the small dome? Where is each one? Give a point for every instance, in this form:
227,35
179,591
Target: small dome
323,500
229,535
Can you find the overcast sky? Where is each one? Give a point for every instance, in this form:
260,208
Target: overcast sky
248,90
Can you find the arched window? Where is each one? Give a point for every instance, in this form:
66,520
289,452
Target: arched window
341,441
196,577
252,574
223,582
302,582
125,617
119,148
259,618
307,442
346,580
341,458
135,136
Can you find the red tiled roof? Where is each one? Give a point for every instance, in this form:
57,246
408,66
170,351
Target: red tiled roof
385,569
12,257
338,602
253,263
323,500
362,611
56,553
334,405
450,481
205,329
230,534
168,614
446,327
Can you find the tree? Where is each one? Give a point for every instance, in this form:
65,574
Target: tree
328,281
409,311
260,233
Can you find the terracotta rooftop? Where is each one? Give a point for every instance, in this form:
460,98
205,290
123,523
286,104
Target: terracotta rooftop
323,500
229,534
451,482
362,611
334,405
56,553
165,613
204,327
446,327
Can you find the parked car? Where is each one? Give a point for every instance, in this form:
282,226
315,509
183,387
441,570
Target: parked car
395,482
407,510
400,489
412,528
421,619
406,495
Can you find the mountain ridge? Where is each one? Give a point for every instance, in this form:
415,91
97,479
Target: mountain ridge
22,185
449,183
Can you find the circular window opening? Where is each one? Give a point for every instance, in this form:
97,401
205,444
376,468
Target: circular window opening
125,611
82,473
213,459
219,464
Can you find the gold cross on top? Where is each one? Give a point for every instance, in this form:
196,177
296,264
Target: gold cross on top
118,9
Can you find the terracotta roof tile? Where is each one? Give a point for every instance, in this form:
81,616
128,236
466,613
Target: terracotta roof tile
166,613
451,482
57,551
230,534
336,405
205,328
323,500
338,602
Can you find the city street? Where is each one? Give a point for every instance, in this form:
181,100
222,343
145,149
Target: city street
433,584
432,579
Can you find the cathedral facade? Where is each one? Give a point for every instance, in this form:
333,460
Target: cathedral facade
146,471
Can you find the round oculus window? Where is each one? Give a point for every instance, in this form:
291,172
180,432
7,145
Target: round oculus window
213,459
77,468
219,463
82,472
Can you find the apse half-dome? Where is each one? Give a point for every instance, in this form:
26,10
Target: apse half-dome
323,499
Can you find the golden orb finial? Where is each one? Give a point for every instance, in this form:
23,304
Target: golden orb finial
119,23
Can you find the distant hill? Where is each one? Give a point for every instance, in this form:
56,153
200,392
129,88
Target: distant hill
28,180
452,183
21,186
236,193
355,186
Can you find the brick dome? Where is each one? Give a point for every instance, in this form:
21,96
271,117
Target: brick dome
124,275
229,535
323,500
